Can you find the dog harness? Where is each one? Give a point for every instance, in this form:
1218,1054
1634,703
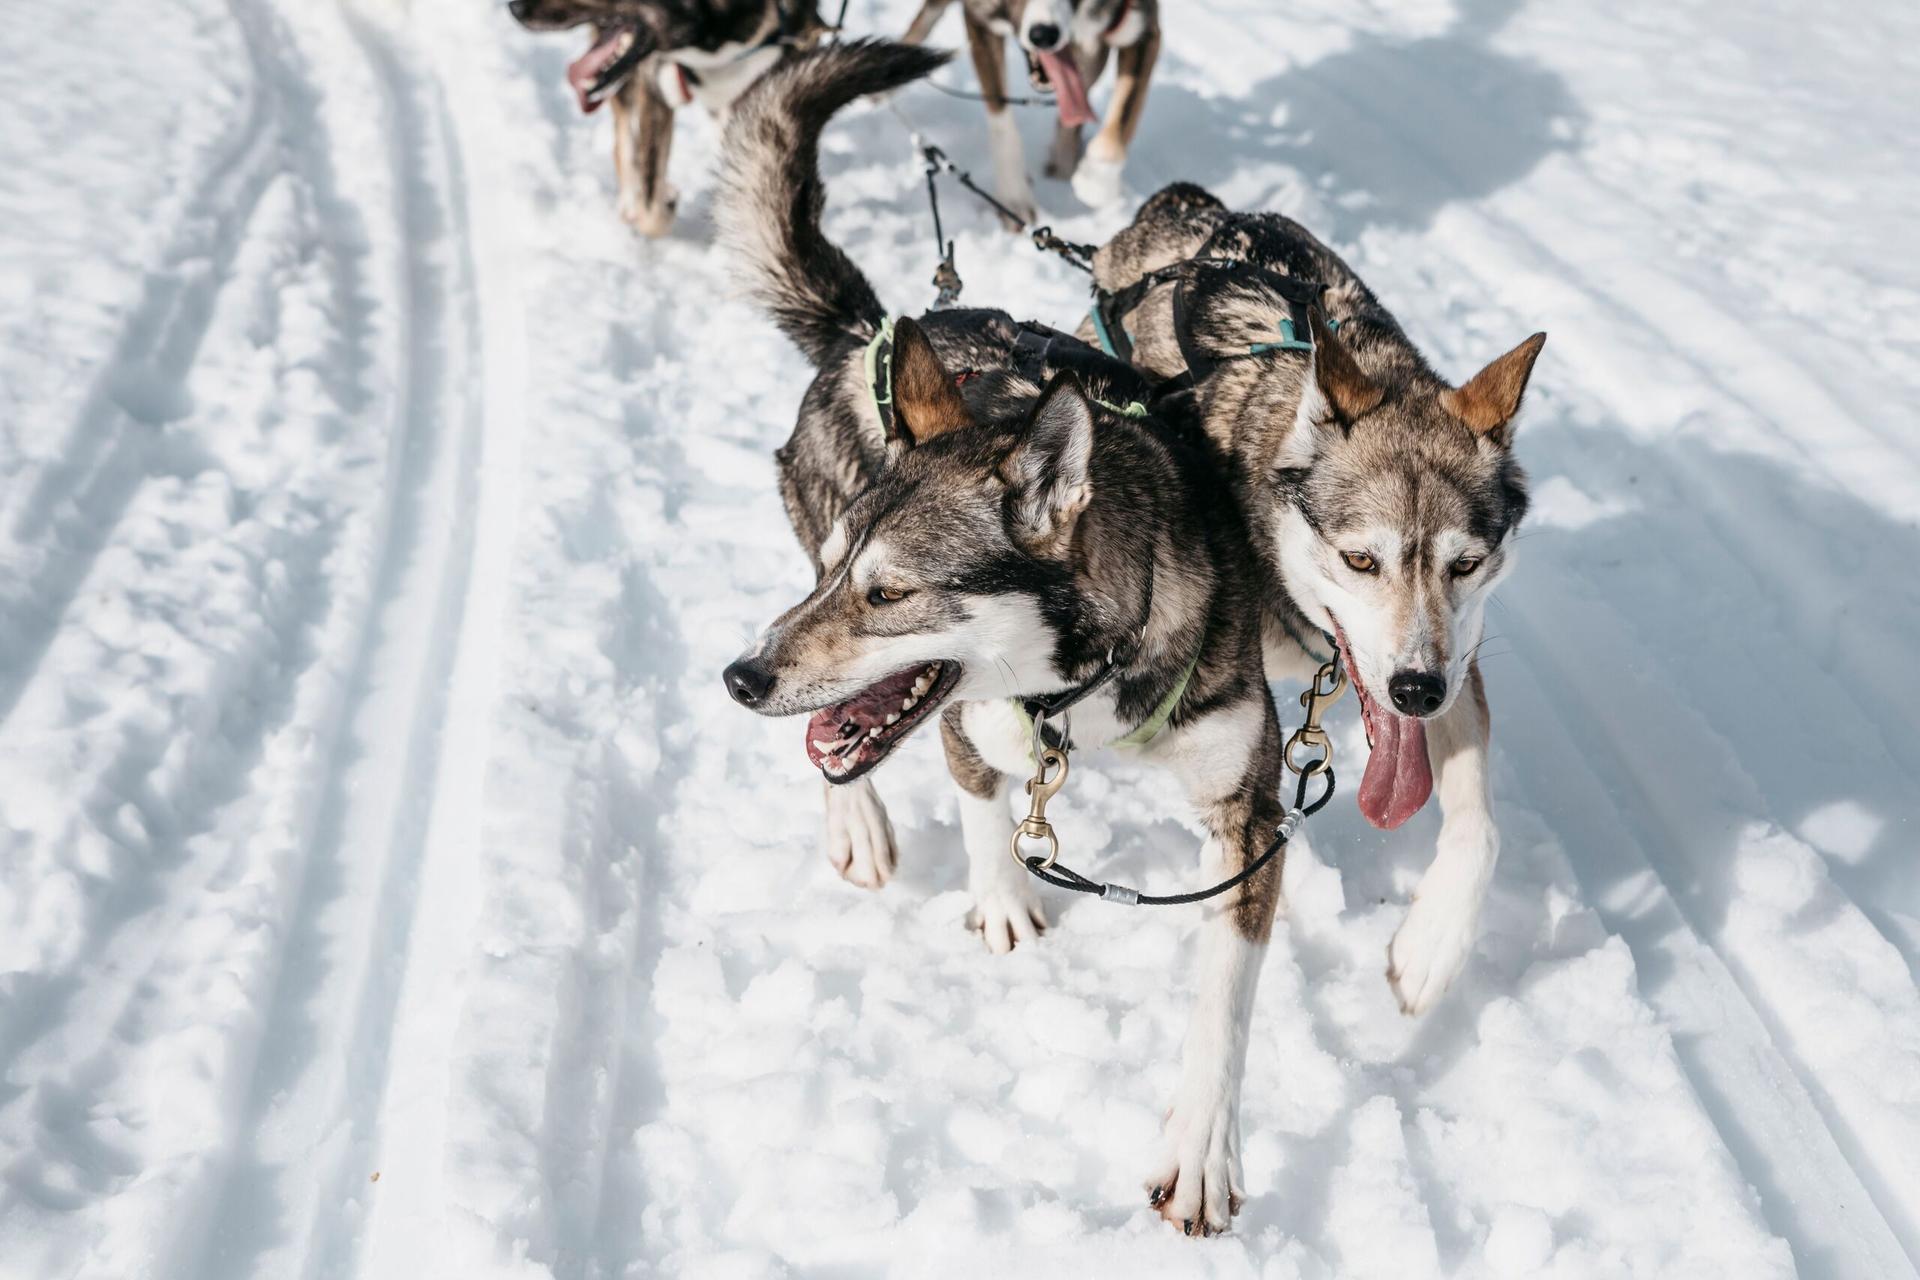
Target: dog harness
1110,311
1029,359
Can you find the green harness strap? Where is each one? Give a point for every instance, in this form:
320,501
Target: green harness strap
1152,727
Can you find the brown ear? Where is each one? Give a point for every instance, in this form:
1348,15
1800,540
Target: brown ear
925,401
1490,398
1349,391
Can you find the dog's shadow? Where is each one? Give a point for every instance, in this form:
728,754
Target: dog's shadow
1390,130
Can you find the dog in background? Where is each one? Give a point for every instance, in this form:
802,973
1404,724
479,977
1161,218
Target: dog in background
1066,43
992,515
649,58
1383,500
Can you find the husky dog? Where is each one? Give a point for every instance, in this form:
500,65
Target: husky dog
990,517
649,58
1066,44
1383,503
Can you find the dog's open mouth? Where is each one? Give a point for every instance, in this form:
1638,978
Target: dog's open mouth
1059,75
1399,777
851,737
602,69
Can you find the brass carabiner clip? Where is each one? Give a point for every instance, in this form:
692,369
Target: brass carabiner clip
1041,787
1329,682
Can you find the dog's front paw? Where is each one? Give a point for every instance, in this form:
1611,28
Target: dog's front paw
1431,948
859,839
650,218
1006,914
1199,1186
1097,181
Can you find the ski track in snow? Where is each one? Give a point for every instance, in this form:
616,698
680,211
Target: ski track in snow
388,889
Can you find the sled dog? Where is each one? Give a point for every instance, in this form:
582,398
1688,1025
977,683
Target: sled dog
649,58
992,516
1383,503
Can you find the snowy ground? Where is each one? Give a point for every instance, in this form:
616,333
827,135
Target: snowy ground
388,889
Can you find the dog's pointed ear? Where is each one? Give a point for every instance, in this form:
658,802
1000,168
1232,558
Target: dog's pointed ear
925,401
1348,391
1050,470
1488,400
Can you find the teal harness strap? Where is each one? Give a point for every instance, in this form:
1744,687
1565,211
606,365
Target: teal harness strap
1289,341
1286,625
1100,332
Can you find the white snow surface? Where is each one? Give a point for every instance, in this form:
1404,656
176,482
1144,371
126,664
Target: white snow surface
388,889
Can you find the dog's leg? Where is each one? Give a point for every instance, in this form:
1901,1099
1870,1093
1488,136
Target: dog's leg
1010,182
1097,180
1064,156
1229,762
923,22
642,140
1437,936
1006,910
859,840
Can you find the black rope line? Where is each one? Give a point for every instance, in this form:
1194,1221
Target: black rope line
970,96
1067,878
1079,256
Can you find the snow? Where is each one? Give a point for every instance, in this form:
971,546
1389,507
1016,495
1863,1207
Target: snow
376,514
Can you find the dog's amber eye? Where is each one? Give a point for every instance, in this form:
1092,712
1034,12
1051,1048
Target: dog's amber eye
1359,561
1465,565
887,595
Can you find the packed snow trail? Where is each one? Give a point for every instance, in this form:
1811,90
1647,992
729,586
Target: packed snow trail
387,887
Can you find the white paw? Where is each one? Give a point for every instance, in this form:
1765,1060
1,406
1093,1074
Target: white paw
1199,1186
1097,181
653,220
1431,948
859,839
1007,914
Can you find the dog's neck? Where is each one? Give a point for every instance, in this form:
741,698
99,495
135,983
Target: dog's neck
1149,581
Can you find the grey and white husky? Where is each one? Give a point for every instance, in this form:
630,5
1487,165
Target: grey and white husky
1383,502
991,517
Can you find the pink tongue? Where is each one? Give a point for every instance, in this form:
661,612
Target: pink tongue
585,69
1069,90
1398,779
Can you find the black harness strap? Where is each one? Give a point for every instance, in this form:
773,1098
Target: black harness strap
1110,310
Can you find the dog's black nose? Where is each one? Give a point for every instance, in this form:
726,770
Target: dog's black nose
1044,36
748,683
1417,693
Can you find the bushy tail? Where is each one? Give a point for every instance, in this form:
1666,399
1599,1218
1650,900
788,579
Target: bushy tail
771,196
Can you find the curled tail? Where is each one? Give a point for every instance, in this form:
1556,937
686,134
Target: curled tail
771,195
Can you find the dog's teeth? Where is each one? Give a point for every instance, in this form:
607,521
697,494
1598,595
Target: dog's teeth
893,718
906,704
920,685
824,748
875,731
